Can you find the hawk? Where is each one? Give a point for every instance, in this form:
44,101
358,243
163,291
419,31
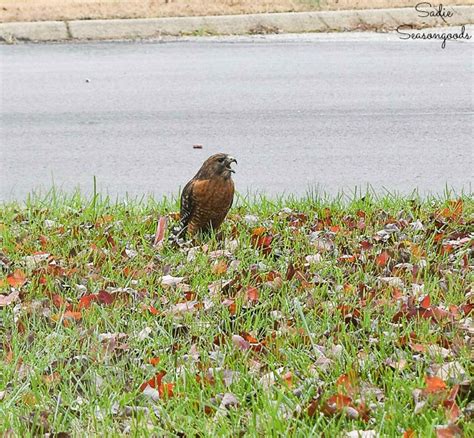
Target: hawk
207,198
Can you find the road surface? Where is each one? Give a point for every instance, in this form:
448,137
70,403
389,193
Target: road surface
330,112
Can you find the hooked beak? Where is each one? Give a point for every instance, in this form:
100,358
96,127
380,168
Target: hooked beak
229,161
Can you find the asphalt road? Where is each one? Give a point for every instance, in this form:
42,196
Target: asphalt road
331,112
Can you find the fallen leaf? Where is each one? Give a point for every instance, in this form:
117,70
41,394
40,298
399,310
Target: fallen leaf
143,334
51,379
151,393
86,301
160,232
362,434
452,409
252,294
154,382
240,342
153,310
169,280
425,302
17,279
451,431
434,384
6,300
338,401
165,390
154,361
229,400
104,297
382,258
219,267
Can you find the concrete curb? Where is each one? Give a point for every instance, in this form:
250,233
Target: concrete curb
294,22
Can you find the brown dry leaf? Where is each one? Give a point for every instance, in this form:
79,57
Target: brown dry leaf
219,267
51,379
240,342
252,294
67,317
396,364
451,431
6,300
160,232
181,308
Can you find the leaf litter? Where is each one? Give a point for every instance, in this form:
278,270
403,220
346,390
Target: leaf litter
318,313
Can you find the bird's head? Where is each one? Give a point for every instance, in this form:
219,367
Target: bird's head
217,165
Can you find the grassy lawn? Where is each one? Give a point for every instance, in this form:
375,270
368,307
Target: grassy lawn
305,317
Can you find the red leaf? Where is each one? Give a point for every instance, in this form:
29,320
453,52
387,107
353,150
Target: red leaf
249,338
58,300
230,304
252,343
154,382
252,294
166,390
160,231
348,258
425,302
454,211
451,431
264,243
452,409
153,310
339,401
409,433
382,258
467,308
434,384
288,379
105,298
17,279
86,301
154,361
43,241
